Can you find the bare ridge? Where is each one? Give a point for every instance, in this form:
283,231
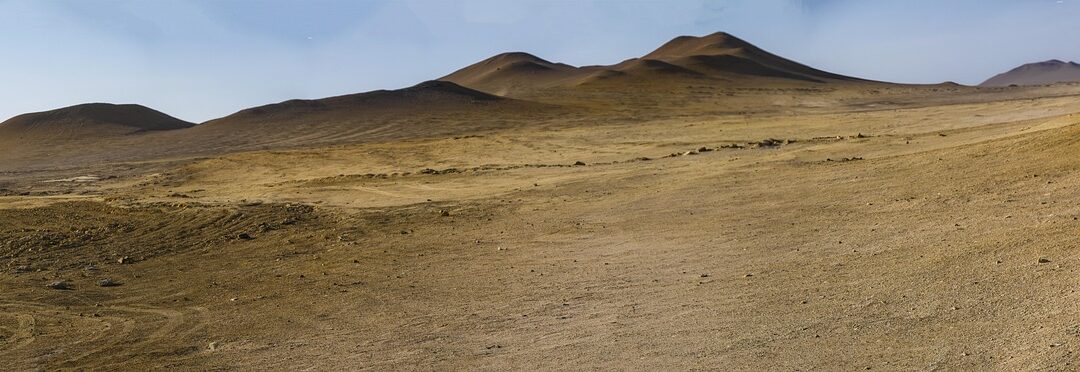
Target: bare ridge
1038,73
684,46
90,120
424,98
717,57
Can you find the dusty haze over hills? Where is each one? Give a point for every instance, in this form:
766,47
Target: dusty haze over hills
708,205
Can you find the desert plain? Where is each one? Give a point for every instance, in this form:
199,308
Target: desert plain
648,218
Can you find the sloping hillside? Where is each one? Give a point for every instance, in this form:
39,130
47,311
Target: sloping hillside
719,58
88,121
1040,73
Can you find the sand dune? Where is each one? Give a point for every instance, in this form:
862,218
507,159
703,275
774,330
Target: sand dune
1040,73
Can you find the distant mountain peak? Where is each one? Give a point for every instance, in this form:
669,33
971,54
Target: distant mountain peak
426,96
1037,73
92,119
685,46
719,56
517,56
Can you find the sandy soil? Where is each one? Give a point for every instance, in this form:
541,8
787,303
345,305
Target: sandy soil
918,229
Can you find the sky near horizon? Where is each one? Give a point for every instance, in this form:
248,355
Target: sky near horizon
202,59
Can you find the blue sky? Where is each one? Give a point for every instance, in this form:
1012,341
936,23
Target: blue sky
202,59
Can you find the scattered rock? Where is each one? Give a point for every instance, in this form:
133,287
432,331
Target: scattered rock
436,172
213,346
124,260
244,236
60,285
579,163
108,283
444,213
1043,260
771,142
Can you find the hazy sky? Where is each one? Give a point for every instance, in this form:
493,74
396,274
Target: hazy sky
203,59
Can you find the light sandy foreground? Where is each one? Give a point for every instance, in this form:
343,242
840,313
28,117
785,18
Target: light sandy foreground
936,236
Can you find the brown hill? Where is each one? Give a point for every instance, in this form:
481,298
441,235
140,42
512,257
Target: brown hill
507,72
722,53
433,108
427,98
716,57
1040,73
426,109
90,120
653,66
